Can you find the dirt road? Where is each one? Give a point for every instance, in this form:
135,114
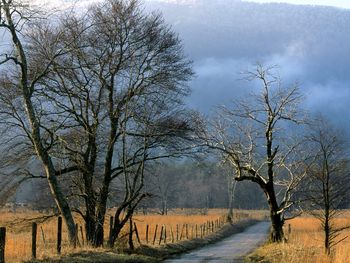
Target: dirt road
231,249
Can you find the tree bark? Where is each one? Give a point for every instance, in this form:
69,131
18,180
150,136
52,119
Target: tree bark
90,219
100,218
61,202
232,188
327,232
90,206
326,239
276,233
131,242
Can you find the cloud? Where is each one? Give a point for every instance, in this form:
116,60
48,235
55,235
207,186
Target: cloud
334,3
215,78
310,44
62,4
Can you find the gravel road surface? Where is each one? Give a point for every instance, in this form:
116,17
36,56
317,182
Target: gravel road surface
232,249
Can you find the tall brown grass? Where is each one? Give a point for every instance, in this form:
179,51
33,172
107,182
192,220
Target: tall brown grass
305,244
18,239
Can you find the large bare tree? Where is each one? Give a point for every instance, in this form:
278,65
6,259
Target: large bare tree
21,78
254,138
113,102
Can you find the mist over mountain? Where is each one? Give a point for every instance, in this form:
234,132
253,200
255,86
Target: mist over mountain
223,38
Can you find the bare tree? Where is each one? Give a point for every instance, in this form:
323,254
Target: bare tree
162,184
22,77
327,186
115,103
252,138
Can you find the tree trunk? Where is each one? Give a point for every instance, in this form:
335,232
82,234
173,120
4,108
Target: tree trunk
100,216
116,231
62,204
50,172
90,206
90,220
119,224
102,202
276,234
164,210
327,230
99,229
131,243
230,214
232,188
326,240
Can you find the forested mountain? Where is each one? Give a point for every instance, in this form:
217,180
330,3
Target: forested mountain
224,38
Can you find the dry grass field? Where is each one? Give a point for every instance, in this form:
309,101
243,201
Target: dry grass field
305,244
18,239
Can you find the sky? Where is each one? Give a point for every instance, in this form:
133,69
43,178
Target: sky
310,44
336,3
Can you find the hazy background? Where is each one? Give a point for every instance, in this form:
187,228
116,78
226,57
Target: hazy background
225,37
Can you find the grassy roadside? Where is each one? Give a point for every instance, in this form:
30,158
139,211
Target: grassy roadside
146,254
305,244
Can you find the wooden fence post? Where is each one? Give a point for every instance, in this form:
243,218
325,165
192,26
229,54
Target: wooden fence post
172,234
182,231
186,231
137,234
59,235
34,233
147,228
155,234
161,235
2,244
165,234
177,232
